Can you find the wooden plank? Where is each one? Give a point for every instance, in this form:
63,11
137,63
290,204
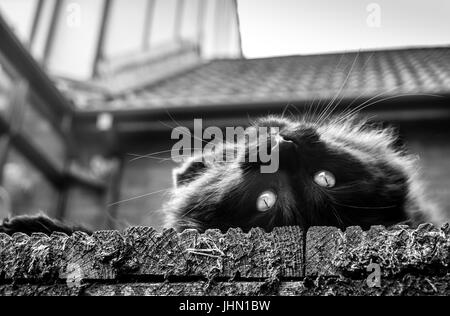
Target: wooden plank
409,284
141,251
142,261
234,254
321,247
329,252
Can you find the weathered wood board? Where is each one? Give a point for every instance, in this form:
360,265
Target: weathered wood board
287,261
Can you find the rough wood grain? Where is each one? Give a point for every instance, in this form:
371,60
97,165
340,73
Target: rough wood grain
141,251
142,261
330,252
409,284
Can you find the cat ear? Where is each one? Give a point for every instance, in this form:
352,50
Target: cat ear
188,171
196,165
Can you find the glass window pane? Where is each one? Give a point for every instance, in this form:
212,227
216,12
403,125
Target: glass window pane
190,21
20,15
27,190
76,37
163,24
125,27
42,134
209,23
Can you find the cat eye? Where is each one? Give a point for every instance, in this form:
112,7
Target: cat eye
266,201
325,179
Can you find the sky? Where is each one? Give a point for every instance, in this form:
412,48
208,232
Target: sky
291,27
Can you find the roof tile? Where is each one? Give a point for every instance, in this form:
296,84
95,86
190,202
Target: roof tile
293,79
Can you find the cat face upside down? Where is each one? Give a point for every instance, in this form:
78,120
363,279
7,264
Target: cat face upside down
337,173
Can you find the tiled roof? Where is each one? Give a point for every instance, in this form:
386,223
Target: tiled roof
293,79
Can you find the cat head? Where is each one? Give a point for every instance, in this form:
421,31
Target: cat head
342,172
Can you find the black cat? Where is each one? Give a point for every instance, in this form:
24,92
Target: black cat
342,172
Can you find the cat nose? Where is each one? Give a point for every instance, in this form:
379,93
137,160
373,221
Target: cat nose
287,151
283,142
285,138
301,136
276,139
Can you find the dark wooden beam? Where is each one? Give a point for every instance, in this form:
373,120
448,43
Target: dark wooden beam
114,194
51,32
238,22
38,159
35,24
148,120
23,63
41,107
99,51
65,127
13,122
5,144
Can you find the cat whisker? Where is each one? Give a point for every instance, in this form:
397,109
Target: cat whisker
292,114
366,207
350,111
251,122
137,156
343,187
309,111
327,112
353,112
343,96
348,106
198,204
317,108
284,111
338,217
140,196
333,108
300,114
391,98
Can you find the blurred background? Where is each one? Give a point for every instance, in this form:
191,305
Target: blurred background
91,89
